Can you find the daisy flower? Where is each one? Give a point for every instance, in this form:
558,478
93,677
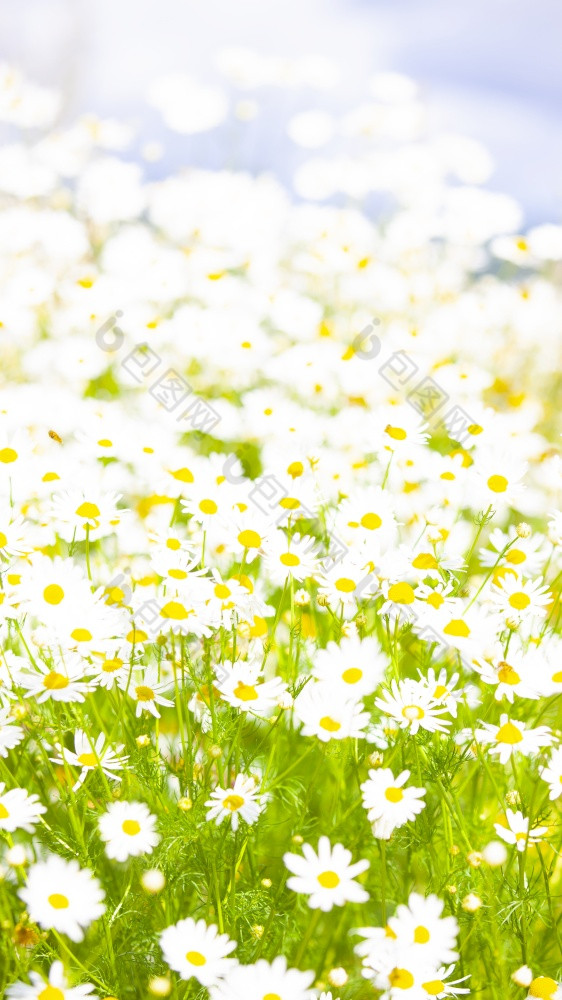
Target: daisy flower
499,477
517,831
524,555
388,803
61,895
552,773
290,558
545,988
55,987
245,689
92,510
242,800
10,734
351,580
144,687
520,599
513,736
325,714
326,877
60,682
128,830
196,949
413,705
355,665
19,810
89,755
420,925
264,980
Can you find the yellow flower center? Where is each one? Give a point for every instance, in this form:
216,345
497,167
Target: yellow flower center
88,510
345,585
3,540
183,475
507,675
401,979
497,484
543,987
515,556
434,987
425,560
174,610
233,802
394,794
328,880
245,692
51,993
371,521
436,600
55,682
412,712
289,503
81,635
3,811
110,666
208,507
519,600
58,902
295,469
421,935
396,433
53,594
440,690
401,593
8,455
222,591
329,724
177,574
249,539
174,544
457,627
509,734
196,958
144,693
289,559
352,675
130,827
87,759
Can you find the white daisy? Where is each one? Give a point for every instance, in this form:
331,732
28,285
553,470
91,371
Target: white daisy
552,773
388,803
19,810
326,877
242,800
517,830
196,949
55,987
265,980
128,830
513,736
61,895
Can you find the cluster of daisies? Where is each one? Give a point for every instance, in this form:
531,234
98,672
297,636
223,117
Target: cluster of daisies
280,563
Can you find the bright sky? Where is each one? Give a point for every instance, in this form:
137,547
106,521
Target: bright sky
488,68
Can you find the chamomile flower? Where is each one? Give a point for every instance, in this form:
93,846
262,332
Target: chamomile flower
545,988
89,755
421,927
264,979
19,810
61,895
388,802
195,949
326,714
247,690
413,705
513,736
356,666
61,681
240,801
90,510
552,773
520,599
11,735
327,876
55,987
517,830
128,830
144,687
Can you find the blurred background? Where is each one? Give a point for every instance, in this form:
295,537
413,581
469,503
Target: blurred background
488,69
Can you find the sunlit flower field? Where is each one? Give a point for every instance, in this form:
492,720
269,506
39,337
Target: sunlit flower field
280,564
